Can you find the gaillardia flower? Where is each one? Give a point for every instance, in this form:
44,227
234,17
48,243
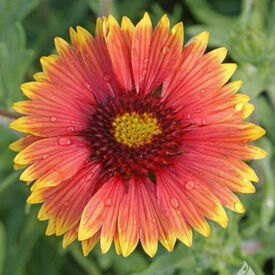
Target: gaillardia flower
134,137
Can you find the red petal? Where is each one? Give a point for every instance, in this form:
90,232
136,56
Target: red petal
180,208
190,54
218,170
153,225
89,244
234,132
95,57
70,236
54,159
120,54
23,142
140,50
101,213
165,50
66,201
128,223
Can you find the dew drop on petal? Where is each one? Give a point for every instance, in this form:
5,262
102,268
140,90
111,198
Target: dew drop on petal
239,207
135,222
239,106
188,116
174,202
190,185
203,121
165,50
107,77
53,118
45,156
145,61
144,71
107,202
165,241
245,180
88,177
70,129
65,141
88,86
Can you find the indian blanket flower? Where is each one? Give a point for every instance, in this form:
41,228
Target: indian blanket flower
134,137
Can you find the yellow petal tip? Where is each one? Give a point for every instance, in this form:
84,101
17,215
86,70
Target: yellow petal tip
239,208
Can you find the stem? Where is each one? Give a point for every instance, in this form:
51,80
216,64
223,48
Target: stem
8,114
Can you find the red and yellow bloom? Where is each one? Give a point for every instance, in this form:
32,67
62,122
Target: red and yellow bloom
133,137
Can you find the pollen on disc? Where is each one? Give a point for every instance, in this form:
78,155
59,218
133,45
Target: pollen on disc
134,129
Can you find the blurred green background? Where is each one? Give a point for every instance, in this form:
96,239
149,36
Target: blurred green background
247,29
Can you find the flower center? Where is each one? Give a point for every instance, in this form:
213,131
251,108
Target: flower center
134,129
132,134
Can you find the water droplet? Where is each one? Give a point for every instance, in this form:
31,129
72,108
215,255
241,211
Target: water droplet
165,241
88,177
203,121
153,220
70,129
135,222
239,207
188,116
107,202
270,203
145,61
239,106
107,77
88,86
202,91
174,202
45,156
178,212
246,147
65,141
165,50
144,71
53,119
190,185
245,180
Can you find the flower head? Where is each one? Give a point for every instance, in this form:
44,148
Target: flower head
133,137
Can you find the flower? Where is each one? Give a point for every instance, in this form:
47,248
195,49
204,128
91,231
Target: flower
133,137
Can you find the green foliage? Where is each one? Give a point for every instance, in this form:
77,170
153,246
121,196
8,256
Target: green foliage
247,29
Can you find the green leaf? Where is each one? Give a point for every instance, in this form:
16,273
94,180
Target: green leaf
15,58
268,202
203,11
14,11
265,113
246,270
13,66
88,264
181,258
2,247
218,36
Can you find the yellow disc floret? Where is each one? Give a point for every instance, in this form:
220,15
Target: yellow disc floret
135,129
